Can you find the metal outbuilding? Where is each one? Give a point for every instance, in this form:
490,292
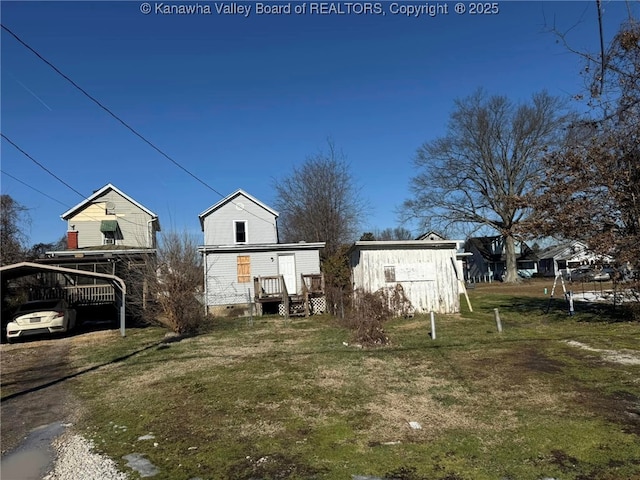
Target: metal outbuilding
426,270
23,269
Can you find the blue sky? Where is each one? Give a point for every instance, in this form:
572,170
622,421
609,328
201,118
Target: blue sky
239,101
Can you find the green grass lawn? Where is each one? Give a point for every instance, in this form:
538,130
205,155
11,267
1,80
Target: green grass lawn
276,400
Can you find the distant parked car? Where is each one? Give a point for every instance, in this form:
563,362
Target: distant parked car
41,316
581,274
603,275
524,273
591,274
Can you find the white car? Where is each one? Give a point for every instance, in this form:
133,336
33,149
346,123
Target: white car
41,316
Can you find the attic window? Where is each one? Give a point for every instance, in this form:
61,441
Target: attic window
240,228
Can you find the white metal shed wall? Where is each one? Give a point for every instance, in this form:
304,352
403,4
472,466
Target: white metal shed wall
439,294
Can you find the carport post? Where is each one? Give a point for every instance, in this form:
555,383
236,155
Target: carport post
122,332
122,288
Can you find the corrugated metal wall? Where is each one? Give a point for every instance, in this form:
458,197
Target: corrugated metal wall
439,294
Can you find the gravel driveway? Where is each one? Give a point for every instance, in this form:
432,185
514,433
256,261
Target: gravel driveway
37,407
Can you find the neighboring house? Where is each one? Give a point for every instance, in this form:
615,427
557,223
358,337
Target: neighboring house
562,259
488,260
111,217
425,270
431,235
108,233
244,263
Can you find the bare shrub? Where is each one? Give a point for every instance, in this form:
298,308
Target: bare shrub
397,301
369,312
171,285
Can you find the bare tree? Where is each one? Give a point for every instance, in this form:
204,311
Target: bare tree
396,233
13,221
591,189
489,158
320,201
39,249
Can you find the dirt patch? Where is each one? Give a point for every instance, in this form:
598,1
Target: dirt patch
624,408
31,396
34,381
620,407
534,360
624,357
272,467
565,462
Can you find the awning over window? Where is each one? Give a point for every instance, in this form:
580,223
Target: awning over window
108,226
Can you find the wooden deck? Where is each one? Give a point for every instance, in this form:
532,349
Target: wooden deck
273,289
77,295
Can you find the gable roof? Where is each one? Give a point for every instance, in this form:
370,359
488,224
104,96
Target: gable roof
229,199
98,194
483,246
431,235
563,251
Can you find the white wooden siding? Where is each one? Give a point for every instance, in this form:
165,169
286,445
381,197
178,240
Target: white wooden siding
426,292
219,225
133,222
221,273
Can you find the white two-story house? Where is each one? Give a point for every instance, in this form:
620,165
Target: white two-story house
244,263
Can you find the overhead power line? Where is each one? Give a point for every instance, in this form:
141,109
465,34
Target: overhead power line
64,204
33,188
41,166
54,176
120,120
106,109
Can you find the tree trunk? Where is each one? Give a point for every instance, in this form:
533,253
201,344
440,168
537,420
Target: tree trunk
511,267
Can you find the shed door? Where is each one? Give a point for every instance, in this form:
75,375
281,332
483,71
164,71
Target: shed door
287,268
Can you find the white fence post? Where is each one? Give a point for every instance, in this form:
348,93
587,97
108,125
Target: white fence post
496,314
433,326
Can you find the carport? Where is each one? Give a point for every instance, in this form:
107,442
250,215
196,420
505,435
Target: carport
23,269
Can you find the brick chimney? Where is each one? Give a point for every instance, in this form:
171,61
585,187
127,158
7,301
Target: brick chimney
72,240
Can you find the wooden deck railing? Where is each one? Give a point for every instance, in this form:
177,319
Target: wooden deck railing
313,282
274,288
268,287
90,294
76,294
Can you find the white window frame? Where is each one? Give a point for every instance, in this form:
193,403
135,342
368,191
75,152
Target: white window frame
106,237
246,232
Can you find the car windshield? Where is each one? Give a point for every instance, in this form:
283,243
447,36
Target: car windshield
40,305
